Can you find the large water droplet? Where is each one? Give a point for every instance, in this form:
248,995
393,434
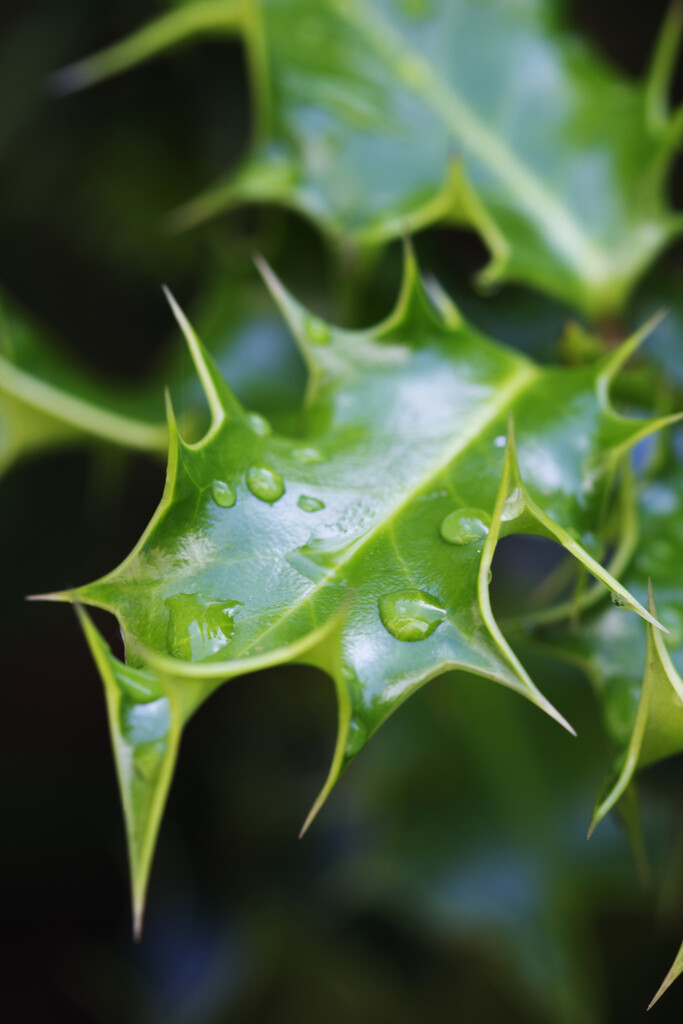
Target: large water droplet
265,484
224,494
618,601
410,614
259,424
308,504
308,455
317,330
465,525
196,628
514,505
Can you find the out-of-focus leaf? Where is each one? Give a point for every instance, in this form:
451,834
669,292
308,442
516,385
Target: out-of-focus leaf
363,545
375,117
46,402
251,347
663,290
658,726
643,710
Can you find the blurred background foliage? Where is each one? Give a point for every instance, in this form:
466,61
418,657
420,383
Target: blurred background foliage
449,877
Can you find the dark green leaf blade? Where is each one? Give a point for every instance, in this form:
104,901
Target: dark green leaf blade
376,117
363,544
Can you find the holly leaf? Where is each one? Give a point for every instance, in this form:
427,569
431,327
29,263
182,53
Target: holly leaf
47,402
363,544
376,117
643,708
658,726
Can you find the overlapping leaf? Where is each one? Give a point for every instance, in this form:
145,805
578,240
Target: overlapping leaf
362,545
374,117
46,402
637,674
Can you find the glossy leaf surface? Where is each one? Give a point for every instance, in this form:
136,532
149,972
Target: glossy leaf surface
363,544
375,117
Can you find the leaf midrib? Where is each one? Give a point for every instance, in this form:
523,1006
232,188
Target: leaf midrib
526,374
587,259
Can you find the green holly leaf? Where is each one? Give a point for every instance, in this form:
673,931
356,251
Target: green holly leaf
362,544
47,402
658,726
643,709
375,117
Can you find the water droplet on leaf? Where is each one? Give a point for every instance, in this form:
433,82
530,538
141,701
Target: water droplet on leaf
465,525
308,456
196,628
265,484
259,424
308,504
410,614
514,505
618,601
224,494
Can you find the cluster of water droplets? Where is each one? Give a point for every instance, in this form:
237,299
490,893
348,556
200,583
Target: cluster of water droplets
266,483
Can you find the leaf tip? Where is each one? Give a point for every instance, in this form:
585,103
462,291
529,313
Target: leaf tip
551,710
62,596
674,972
216,391
617,359
138,920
